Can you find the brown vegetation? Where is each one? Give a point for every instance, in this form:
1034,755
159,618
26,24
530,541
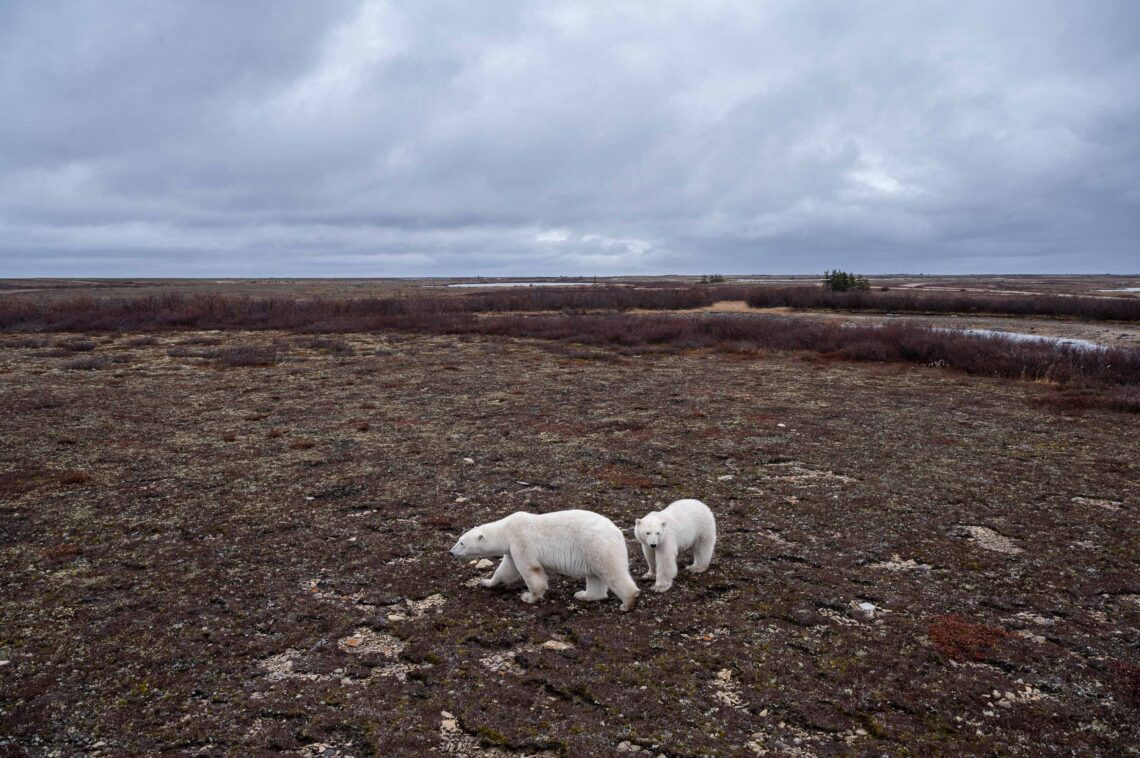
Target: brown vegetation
961,640
912,301
251,597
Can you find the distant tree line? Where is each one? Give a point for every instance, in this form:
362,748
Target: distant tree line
841,281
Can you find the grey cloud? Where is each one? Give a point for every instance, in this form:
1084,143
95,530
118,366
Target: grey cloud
368,137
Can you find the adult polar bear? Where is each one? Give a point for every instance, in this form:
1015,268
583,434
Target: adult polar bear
684,525
573,543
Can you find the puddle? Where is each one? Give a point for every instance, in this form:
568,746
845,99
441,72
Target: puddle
480,285
1025,337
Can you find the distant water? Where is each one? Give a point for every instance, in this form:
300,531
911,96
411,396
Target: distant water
519,284
1023,337
1123,289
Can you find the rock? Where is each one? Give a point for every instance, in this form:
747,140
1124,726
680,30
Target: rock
724,478
484,563
556,645
353,642
468,460
446,715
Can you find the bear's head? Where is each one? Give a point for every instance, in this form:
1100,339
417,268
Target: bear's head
472,543
650,530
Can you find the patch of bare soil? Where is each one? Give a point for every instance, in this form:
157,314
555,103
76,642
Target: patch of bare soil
210,559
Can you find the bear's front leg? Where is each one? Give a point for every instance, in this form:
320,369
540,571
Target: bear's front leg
506,573
536,584
650,559
666,566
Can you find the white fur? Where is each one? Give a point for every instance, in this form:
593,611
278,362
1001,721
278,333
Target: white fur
684,525
576,543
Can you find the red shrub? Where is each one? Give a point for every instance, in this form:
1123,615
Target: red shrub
961,640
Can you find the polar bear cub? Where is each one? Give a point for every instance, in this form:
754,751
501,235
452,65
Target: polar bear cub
684,525
572,543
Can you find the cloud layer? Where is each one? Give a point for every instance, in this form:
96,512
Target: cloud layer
368,138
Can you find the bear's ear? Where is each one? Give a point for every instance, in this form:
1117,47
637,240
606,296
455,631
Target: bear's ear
637,522
480,537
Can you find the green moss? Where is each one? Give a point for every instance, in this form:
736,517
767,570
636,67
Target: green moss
491,736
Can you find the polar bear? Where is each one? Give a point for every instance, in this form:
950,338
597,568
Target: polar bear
573,543
684,525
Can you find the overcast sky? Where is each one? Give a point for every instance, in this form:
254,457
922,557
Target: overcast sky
366,138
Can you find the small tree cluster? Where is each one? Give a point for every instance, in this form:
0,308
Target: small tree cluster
841,281
712,279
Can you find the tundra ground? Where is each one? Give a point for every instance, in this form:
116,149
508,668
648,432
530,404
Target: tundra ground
237,543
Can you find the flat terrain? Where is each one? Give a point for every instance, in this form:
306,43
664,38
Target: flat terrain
1106,286
202,559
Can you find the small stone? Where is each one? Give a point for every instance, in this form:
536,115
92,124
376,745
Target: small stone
484,563
4,663
861,732
353,642
461,499
396,617
309,497
624,746
446,715
724,478
782,426
468,460
556,645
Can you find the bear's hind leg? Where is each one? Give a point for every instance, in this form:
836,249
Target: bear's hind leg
506,573
626,589
595,590
702,554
